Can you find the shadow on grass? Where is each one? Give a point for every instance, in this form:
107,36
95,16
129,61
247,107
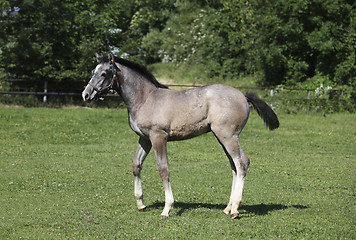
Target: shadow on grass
264,209
258,209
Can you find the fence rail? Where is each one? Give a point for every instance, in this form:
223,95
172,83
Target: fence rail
45,93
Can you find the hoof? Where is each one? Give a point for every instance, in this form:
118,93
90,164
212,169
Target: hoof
226,212
164,216
142,209
234,215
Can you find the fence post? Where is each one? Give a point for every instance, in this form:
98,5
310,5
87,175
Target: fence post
272,93
308,94
45,91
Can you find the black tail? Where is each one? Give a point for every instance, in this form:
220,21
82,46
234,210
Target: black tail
265,112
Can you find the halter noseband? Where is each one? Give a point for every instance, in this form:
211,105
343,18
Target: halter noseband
100,92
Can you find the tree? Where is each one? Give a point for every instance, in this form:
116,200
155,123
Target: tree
148,16
282,42
56,40
297,40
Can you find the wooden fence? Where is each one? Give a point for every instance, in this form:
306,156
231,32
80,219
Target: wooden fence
45,92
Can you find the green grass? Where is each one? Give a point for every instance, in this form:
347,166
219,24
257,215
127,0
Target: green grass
66,174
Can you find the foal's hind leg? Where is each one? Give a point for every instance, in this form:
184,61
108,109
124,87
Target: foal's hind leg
144,147
239,164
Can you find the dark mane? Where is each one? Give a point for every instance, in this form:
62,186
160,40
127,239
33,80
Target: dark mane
136,67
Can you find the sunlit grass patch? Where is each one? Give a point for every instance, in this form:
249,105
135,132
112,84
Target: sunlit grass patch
66,173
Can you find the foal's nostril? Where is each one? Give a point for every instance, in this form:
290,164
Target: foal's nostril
86,97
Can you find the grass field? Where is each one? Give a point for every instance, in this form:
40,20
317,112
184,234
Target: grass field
66,174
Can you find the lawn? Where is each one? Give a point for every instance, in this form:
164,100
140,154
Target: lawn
66,174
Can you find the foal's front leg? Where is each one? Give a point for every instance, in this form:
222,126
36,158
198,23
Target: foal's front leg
159,142
144,147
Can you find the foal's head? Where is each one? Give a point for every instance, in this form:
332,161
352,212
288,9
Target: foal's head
102,79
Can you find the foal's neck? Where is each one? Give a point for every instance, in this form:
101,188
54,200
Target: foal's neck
134,88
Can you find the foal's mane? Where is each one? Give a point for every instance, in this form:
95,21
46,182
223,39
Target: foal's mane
136,67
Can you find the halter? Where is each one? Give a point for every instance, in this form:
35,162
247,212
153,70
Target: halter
106,89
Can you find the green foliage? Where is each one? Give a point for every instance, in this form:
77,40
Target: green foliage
56,40
284,42
322,100
287,42
66,174
146,16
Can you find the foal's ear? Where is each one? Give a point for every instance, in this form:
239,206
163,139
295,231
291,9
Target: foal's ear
98,57
111,57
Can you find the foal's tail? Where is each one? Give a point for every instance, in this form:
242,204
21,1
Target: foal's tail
265,112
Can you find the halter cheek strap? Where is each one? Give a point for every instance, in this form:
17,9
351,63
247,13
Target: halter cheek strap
115,68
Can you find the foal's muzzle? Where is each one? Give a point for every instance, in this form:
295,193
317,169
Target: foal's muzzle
89,93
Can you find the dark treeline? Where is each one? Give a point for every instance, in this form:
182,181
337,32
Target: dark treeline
301,43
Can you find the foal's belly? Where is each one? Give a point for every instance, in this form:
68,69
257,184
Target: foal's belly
188,130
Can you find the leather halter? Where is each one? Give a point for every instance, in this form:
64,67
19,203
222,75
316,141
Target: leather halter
104,90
